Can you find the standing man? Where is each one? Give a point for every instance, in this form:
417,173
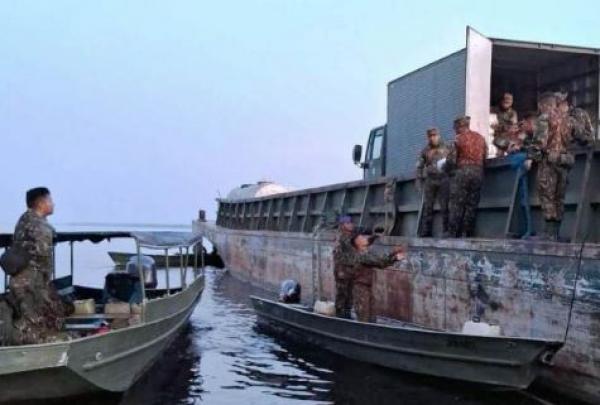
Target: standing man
433,179
364,262
580,122
38,310
467,156
342,270
552,136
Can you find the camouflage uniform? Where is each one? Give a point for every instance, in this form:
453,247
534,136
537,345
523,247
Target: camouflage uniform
581,125
467,156
342,273
435,186
553,134
504,133
37,306
362,264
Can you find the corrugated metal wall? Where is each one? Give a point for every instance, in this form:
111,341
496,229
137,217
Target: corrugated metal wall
431,96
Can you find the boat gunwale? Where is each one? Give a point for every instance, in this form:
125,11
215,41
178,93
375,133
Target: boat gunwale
412,328
111,332
571,250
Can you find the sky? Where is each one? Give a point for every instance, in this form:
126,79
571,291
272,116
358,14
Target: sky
146,111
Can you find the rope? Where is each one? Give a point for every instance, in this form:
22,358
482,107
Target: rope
574,295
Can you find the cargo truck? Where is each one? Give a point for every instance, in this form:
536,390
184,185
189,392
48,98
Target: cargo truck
468,82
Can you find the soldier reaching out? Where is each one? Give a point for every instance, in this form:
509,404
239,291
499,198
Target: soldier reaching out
362,262
342,272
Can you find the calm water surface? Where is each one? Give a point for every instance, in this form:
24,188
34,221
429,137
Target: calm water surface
221,358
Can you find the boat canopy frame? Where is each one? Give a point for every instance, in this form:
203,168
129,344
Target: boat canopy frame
159,240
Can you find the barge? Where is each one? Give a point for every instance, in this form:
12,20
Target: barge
530,288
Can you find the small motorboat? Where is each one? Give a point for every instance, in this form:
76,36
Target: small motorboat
128,324
175,260
496,360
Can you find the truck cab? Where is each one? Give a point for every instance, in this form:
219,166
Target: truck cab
374,164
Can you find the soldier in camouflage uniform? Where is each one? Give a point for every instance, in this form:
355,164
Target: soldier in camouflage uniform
342,271
554,131
38,310
506,127
363,262
466,158
433,179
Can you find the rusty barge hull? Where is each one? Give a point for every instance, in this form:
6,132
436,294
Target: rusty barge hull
524,286
529,283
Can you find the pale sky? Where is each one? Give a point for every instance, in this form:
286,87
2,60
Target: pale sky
142,111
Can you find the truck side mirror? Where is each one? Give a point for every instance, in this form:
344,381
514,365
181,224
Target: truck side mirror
357,154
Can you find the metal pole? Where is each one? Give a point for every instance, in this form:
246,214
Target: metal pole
202,253
185,267
182,284
196,259
167,271
72,261
5,278
141,271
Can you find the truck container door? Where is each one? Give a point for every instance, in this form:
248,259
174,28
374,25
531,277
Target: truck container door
478,83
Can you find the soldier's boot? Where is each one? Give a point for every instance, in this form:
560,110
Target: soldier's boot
551,229
557,233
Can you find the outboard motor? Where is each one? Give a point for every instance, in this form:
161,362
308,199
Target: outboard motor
148,269
289,292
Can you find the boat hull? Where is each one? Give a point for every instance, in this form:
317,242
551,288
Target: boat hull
210,259
108,362
500,361
524,287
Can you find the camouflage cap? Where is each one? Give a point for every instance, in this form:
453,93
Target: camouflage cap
432,131
462,120
546,96
561,96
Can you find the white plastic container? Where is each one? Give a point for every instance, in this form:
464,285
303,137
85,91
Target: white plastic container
480,329
324,308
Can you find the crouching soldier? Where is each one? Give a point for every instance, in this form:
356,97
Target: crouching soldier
364,262
433,180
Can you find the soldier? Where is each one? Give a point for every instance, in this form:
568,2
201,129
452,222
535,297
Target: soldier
579,120
363,262
554,132
342,272
466,156
433,179
506,127
38,310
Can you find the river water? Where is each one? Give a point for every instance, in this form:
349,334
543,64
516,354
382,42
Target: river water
221,358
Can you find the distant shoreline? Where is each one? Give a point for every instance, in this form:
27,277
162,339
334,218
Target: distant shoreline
123,225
